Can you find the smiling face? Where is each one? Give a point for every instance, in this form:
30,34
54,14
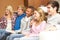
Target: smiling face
50,9
29,12
36,15
20,11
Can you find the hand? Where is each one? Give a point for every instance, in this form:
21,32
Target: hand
27,35
11,31
51,28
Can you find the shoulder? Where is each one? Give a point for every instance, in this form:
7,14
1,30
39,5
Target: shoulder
24,14
23,19
2,18
58,15
43,23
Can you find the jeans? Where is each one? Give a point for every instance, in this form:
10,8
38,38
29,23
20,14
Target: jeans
12,36
2,33
28,38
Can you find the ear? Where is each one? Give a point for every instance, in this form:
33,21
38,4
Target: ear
55,8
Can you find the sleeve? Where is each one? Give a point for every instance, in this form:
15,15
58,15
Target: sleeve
58,23
2,22
22,24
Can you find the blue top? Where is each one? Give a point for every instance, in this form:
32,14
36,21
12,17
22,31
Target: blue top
18,21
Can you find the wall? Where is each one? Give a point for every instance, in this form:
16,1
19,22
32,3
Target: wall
15,3
37,3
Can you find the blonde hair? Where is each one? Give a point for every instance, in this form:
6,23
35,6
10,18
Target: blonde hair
22,7
10,8
42,14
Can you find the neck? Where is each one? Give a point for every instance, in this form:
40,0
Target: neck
20,13
54,13
28,16
37,23
8,17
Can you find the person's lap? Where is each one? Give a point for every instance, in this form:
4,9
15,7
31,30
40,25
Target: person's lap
12,36
28,38
2,33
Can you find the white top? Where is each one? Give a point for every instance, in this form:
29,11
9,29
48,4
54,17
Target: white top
54,20
9,25
25,22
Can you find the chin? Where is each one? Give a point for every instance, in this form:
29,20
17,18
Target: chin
35,18
49,13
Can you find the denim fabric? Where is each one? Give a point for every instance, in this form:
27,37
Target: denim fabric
2,33
12,36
